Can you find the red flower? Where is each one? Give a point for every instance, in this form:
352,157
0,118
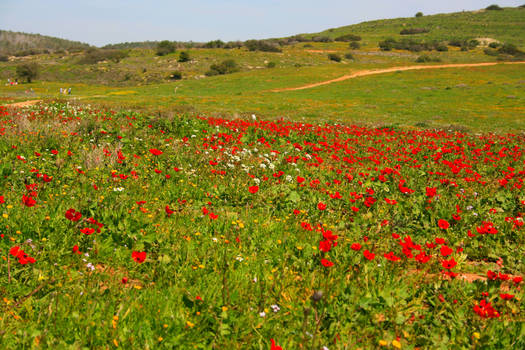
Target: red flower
138,256
506,296
168,210
443,224
275,347
2,200
253,189
325,246
356,246
517,279
28,201
321,206
431,191
76,250
326,263
446,251
300,179
156,152
368,255
449,264
87,231
73,215
124,280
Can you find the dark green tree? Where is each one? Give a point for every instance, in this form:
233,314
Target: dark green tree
28,71
165,47
184,56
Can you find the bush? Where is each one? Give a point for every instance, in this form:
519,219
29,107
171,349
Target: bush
94,56
4,58
387,44
427,58
184,56
28,71
510,49
349,56
494,45
409,31
348,37
307,45
441,47
493,8
165,47
175,75
215,44
419,14
261,45
322,39
491,52
225,67
271,65
334,57
354,45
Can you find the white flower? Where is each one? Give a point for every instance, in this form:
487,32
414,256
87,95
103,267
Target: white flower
289,178
239,258
275,307
118,189
214,239
254,117
262,314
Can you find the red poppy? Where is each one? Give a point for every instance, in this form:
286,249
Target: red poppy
300,179
156,152
168,210
2,200
28,201
327,263
253,189
325,246
321,206
138,256
369,255
87,231
275,347
506,296
449,264
73,215
443,224
355,246
76,250
446,251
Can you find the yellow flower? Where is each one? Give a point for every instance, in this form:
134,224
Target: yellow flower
396,344
383,343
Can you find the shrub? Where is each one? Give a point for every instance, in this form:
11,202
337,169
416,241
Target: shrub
491,52
510,49
419,14
409,31
494,45
307,45
184,56
427,58
165,47
322,39
441,47
225,67
215,44
334,57
175,75
349,56
271,65
4,58
387,44
28,71
348,37
493,8
261,45
93,56
354,45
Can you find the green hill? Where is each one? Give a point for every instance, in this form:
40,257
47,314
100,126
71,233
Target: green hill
13,43
507,25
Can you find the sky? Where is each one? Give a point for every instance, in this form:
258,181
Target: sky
101,22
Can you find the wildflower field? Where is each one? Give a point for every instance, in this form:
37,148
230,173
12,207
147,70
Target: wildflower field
125,230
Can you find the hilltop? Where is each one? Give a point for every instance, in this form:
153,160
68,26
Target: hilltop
21,44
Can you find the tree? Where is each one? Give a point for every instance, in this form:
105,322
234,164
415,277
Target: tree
165,47
184,56
28,71
493,8
419,14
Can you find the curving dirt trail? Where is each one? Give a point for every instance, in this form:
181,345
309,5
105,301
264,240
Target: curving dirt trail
23,104
363,73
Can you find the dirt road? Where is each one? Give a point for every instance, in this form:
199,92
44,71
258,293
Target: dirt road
363,73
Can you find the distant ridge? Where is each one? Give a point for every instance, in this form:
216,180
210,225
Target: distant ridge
12,43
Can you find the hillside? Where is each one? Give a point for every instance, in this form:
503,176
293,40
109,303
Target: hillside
19,43
507,25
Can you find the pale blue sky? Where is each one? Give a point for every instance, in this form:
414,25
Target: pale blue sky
101,22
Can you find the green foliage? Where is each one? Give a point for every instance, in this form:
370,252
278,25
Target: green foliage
184,56
419,14
271,64
354,45
262,45
225,67
349,56
94,56
408,31
510,49
334,57
176,75
348,37
165,47
215,44
27,71
26,44
411,45
493,8
427,58
494,45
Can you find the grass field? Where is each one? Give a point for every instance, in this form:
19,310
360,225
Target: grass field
382,211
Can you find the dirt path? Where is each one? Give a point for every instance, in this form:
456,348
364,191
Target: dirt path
23,104
363,73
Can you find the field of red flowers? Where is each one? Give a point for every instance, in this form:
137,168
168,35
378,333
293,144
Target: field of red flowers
123,230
